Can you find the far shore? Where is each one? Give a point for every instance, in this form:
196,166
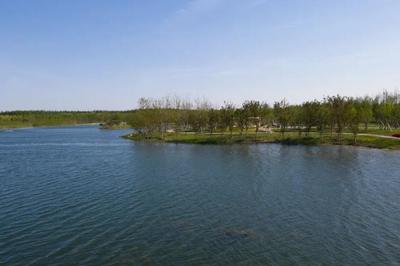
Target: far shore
46,126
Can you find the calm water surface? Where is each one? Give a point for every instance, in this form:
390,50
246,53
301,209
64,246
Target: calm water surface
80,195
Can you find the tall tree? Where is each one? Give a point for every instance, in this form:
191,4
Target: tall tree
338,108
253,109
364,109
241,119
310,115
228,116
282,115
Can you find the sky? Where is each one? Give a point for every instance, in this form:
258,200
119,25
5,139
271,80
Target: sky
105,55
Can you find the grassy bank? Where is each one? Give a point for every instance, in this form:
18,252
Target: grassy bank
290,138
29,125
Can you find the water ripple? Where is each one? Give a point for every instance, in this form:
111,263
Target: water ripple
85,196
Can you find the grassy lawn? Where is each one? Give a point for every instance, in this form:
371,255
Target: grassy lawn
372,129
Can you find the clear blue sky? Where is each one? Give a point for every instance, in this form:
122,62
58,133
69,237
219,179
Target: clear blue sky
95,54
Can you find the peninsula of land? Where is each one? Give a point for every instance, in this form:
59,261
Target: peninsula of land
337,120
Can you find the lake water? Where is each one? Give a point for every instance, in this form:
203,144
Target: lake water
80,195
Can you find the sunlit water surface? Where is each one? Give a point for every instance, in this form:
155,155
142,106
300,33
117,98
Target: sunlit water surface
80,195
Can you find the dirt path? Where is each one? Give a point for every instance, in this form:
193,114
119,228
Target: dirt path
378,136
374,135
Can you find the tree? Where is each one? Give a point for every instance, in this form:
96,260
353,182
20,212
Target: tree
246,113
296,117
241,119
323,116
213,117
310,115
282,114
227,117
266,114
338,108
364,109
354,116
253,110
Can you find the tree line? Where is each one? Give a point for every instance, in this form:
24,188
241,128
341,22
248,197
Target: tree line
333,114
53,118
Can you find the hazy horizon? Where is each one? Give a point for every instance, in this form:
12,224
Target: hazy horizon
194,101
101,55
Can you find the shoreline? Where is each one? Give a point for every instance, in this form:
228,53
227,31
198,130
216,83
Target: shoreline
363,140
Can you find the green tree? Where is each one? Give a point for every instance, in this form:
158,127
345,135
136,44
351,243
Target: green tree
253,110
241,119
310,115
354,116
213,118
364,108
228,117
323,116
282,115
338,108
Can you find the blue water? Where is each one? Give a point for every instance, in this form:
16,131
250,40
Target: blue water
80,195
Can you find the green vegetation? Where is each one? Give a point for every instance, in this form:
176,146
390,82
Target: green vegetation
291,138
334,120
44,118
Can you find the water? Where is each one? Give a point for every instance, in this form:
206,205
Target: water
80,195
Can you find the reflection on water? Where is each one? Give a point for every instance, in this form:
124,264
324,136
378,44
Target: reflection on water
79,195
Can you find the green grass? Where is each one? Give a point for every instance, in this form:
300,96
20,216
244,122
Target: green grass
372,129
378,143
290,138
